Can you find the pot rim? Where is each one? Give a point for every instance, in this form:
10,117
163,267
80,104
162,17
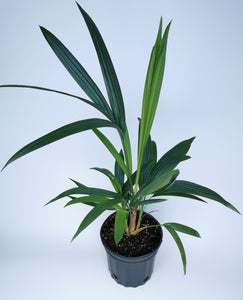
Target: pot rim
132,259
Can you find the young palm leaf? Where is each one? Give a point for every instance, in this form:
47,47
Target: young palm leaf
151,94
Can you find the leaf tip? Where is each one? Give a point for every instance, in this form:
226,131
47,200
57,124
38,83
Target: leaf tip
7,163
73,238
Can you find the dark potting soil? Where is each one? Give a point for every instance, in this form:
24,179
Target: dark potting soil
135,245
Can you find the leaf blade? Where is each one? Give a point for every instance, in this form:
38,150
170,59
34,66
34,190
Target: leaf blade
49,90
120,224
112,150
112,178
151,201
185,195
183,228
84,190
119,173
86,199
160,181
77,71
153,83
172,157
179,245
95,213
108,71
58,134
183,186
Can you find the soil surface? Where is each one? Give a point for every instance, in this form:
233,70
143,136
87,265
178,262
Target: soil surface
131,246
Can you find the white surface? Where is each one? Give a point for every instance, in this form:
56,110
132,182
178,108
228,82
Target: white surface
202,96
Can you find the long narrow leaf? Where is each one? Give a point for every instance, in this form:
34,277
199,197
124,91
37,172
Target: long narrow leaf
181,186
84,190
50,90
164,192
77,183
112,178
172,158
120,224
119,173
92,200
127,149
151,94
128,185
183,228
93,204
87,199
148,162
179,245
60,133
151,201
159,182
109,74
112,150
95,213
78,73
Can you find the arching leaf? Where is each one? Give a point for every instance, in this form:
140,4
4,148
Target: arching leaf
78,73
60,133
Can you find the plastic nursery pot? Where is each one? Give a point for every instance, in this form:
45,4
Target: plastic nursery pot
131,271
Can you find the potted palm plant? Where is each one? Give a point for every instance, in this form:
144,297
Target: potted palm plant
131,236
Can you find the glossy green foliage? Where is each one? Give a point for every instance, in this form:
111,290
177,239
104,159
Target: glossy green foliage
153,178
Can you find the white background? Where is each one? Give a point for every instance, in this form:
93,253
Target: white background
201,96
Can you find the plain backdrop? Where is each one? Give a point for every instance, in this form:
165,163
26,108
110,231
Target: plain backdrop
201,96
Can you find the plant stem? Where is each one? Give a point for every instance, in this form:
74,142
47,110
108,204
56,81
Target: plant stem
139,219
132,221
127,229
138,230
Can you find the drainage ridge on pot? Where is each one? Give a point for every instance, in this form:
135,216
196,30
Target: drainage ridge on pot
131,271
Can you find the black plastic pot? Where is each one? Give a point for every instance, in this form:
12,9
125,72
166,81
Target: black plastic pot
131,271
